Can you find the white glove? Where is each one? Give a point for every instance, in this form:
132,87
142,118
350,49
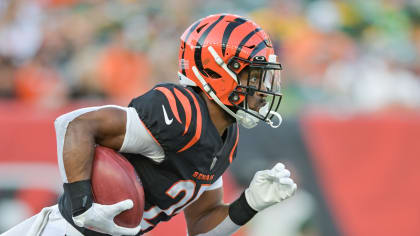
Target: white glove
100,218
269,187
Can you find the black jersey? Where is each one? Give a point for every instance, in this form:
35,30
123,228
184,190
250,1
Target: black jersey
195,154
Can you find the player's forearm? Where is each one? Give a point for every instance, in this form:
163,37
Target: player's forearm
221,220
75,145
78,151
209,220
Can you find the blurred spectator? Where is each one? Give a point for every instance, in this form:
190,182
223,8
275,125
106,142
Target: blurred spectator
118,49
20,29
372,84
123,73
38,82
7,69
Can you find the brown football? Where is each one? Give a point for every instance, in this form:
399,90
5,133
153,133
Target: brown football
113,180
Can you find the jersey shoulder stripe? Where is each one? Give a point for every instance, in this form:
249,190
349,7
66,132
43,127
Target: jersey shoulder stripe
171,99
186,105
174,115
197,134
231,155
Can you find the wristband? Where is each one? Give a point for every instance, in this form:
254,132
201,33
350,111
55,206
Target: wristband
240,212
80,195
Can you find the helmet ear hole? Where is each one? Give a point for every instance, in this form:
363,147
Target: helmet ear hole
212,73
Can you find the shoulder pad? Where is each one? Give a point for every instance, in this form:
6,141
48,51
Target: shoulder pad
173,114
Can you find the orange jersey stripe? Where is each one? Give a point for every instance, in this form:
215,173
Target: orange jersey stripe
172,102
199,124
187,108
234,146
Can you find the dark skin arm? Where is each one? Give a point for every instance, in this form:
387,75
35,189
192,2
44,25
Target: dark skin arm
105,127
206,213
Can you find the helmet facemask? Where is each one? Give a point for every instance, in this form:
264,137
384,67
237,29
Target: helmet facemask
263,78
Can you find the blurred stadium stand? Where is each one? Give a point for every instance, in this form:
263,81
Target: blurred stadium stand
351,106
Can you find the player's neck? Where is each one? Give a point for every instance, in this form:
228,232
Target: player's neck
219,117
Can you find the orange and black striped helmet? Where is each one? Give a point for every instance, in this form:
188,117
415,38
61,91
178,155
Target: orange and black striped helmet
215,49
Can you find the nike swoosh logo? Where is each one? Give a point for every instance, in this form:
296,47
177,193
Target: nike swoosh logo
167,120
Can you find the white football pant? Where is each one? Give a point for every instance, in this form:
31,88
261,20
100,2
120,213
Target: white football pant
48,222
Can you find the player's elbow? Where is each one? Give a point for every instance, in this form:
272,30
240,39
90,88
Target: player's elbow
60,122
81,127
69,124
63,122
60,125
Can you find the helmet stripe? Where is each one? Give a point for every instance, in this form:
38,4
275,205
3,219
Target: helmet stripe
198,48
243,42
228,31
185,40
258,48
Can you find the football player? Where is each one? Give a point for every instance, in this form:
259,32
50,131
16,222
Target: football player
180,138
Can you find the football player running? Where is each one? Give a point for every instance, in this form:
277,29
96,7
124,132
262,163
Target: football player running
179,138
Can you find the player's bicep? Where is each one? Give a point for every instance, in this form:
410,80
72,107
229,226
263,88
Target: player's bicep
108,125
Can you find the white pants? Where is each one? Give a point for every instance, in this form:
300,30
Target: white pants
48,222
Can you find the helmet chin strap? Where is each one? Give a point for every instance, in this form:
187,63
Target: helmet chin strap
244,119
263,111
211,93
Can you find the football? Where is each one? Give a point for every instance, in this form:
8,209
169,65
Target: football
113,180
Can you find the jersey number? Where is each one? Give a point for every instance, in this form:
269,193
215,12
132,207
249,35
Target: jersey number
186,186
